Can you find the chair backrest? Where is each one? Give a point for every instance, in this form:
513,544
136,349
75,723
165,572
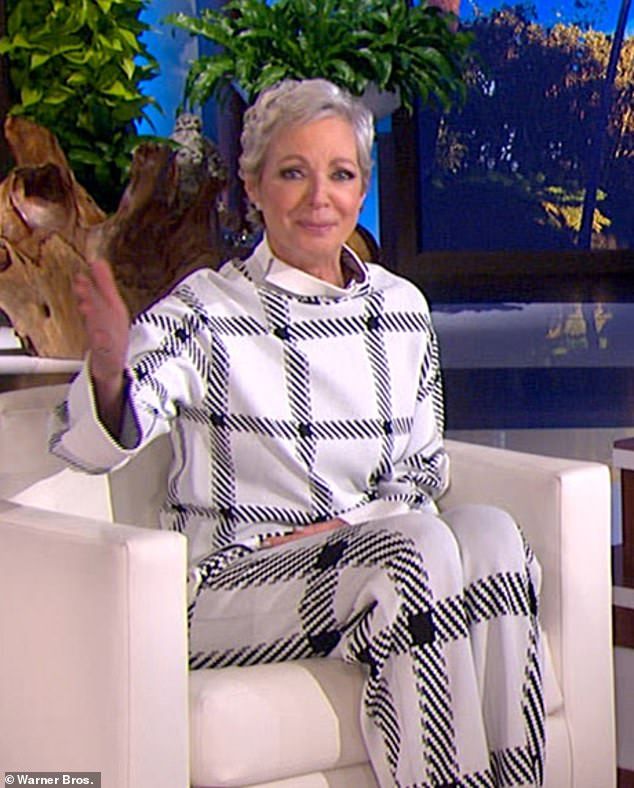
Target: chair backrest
30,475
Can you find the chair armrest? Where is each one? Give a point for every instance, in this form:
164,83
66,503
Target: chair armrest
563,508
93,652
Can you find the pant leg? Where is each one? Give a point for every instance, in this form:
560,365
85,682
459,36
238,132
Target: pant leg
502,583
388,595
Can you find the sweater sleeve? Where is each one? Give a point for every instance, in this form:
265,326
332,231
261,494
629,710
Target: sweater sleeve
166,371
421,474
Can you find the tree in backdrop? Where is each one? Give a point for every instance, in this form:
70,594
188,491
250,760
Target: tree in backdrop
77,67
515,156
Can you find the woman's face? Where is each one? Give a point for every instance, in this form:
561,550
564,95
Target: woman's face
310,193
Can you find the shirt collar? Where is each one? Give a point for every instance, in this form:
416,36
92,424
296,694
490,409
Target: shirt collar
286,277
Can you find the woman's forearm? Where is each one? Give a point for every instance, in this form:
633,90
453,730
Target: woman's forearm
110,399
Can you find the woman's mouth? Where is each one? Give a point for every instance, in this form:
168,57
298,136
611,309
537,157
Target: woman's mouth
318,228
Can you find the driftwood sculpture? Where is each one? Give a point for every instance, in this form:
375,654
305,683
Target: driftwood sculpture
165,226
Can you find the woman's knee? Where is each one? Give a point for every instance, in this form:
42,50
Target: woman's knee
489,540
425,539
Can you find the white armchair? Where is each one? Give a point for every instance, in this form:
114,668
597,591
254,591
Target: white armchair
93,633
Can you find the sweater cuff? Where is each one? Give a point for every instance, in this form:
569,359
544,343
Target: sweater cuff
87,441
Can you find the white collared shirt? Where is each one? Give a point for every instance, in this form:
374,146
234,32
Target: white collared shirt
277,273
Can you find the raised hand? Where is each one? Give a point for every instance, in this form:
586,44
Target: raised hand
107,323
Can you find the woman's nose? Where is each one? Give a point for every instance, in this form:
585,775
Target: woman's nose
318,190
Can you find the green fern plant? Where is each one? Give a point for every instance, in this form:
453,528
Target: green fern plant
76,67
413,50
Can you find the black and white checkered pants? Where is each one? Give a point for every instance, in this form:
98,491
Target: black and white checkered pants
442,613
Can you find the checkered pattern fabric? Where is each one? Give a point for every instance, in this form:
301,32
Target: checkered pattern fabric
453,689
284,409
288,407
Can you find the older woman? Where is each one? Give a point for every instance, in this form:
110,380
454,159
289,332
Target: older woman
301,389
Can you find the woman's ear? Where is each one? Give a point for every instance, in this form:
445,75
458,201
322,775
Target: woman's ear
253,192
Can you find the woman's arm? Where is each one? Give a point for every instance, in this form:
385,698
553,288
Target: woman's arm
107,323
419,476
136,379
422,474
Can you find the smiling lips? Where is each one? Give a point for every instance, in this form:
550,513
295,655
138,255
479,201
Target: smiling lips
317,228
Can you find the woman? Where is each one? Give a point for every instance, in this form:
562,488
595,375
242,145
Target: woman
302,392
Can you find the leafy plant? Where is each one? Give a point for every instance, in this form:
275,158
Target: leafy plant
76,67
412,50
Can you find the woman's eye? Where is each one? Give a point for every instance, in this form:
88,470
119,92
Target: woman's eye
291,173
344,175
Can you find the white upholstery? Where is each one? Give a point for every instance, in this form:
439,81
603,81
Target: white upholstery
93,643
563,507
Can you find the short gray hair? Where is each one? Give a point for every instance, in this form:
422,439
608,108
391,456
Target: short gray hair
294,101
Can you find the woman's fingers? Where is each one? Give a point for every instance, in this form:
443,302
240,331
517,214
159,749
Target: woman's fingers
104,281
106,319
98,291
307,530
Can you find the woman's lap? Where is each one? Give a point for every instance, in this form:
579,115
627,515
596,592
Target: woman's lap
438,611
299,594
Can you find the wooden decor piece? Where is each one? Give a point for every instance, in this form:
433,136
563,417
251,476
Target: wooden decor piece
165,226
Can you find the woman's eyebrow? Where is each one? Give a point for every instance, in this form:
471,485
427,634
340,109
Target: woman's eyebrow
289,157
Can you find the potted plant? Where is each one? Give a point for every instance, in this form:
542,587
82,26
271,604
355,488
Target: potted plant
385,45
76,68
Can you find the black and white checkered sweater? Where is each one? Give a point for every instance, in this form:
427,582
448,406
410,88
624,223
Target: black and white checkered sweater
288,401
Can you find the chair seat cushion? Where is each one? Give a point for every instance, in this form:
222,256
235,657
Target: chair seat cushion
267,722
251,725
